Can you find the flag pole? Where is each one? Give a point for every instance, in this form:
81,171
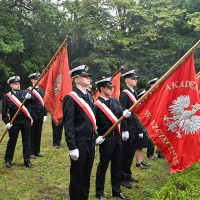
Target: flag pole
122,67
169,72
40,77
198,75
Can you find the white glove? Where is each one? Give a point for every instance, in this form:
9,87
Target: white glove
99,140
141,135
74,154
45,119
126,113
125,135
28,96
8,126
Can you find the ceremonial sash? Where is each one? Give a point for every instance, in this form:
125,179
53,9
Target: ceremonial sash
37,94
131,96
18,104
85,107
108,113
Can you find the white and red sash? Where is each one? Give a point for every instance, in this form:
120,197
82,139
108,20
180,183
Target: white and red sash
108,113
37,94
18,104
85,107
131,96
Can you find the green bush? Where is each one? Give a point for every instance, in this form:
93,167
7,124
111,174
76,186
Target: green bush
182,185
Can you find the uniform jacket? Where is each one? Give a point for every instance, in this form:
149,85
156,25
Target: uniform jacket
103,122
77,124
37,111
8,107
132,121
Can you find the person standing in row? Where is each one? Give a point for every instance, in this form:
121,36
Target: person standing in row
39,115
11,102
80,124
108,111
127,98
57,134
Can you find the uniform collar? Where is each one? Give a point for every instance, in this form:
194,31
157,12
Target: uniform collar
79,92
133,91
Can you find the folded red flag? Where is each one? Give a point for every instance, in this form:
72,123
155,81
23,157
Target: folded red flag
116,83
56,83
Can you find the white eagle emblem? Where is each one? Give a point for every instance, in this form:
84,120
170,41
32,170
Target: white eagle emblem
57,84
183,119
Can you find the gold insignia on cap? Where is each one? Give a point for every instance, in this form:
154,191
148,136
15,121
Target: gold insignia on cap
16,78
37,74
86,68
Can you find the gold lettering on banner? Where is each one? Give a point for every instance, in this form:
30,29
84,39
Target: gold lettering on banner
174,85
183,84
148,114
165,141
167,87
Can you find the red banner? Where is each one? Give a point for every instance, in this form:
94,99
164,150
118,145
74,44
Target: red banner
172,117
198,83
96,95
56,84
116,83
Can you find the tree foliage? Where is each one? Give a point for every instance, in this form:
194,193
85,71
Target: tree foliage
148,35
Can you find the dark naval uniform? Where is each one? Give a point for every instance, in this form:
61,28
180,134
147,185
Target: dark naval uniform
57,133
129,147
21,123
79,134
110,149
37,113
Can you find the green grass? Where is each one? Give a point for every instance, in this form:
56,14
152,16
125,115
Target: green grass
49,179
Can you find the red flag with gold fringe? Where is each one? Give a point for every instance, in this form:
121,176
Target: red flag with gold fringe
171,114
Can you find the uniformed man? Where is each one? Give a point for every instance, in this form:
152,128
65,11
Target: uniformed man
127,98
57,134
11,102
108,111
80,124
39,115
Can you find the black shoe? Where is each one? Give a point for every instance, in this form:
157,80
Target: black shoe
101,197
133,180
146,164
8,164
57,147
29,165
152,158
141,166
121,196
33,157
126,184
39,155
61,146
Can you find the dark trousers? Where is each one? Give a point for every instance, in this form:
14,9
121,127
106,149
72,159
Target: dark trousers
57,133
110,150
13,135
150,148
80,171
128,151
36,131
